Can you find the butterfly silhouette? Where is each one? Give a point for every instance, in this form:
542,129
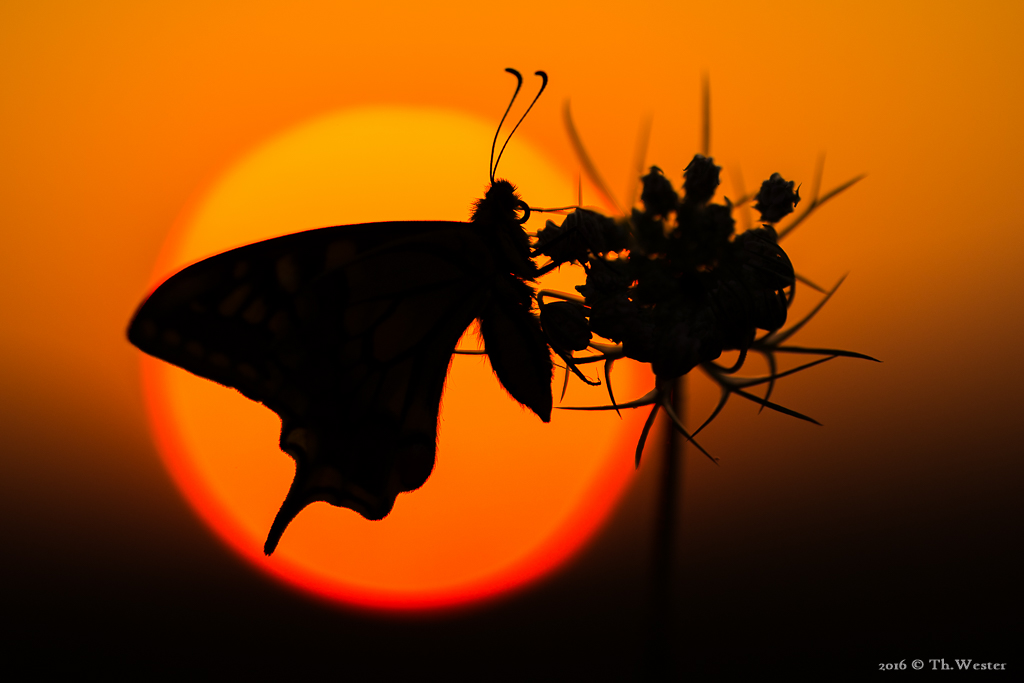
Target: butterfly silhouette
347,333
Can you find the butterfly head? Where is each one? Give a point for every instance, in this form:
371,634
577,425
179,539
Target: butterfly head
501,205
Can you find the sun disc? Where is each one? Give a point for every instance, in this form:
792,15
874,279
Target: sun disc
509,499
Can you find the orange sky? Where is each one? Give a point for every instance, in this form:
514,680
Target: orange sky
116,114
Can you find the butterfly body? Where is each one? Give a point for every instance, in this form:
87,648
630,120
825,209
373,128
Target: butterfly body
347,333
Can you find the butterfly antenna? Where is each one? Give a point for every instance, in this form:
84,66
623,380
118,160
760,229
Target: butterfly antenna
493,167
543,85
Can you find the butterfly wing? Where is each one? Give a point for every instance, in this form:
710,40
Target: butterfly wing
346,333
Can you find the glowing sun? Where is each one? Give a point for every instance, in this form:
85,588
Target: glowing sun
509,498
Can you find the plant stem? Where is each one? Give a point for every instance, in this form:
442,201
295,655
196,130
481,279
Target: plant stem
665,523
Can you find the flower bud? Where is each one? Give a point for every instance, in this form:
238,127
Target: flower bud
565,324
700,179
658,196
776,198
759,253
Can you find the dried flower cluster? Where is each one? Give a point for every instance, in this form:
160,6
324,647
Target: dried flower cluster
675,286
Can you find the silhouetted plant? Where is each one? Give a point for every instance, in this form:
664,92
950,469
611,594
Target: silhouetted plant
674,285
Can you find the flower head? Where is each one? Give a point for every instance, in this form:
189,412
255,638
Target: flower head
673,285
